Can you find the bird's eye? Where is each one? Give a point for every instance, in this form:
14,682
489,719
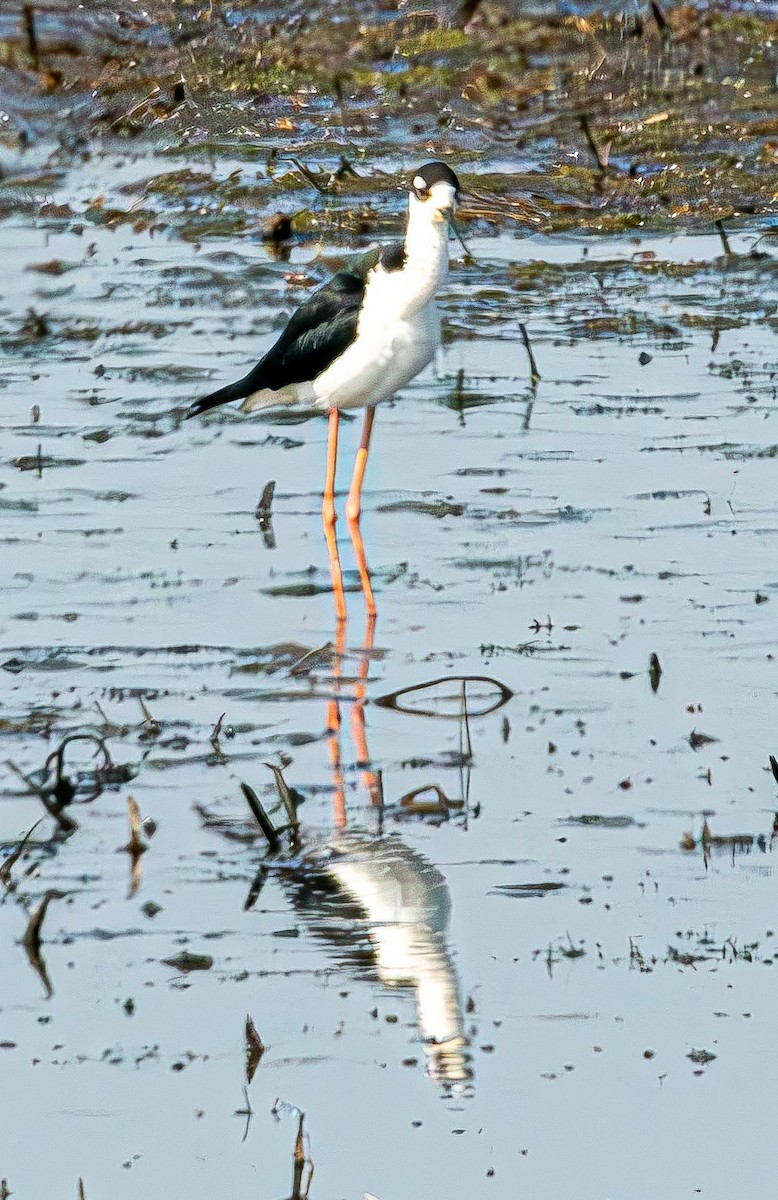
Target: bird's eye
420,188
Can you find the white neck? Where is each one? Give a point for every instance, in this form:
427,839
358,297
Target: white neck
426,249
403,295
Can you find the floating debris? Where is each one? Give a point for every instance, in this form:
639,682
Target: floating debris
529,891
604,821
255,1048
32,937
186,962
264,514
57,789
135,847
10,862
702,1057
697,739
449,697
289,799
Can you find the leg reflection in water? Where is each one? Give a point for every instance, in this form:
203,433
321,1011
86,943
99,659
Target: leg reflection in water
371,891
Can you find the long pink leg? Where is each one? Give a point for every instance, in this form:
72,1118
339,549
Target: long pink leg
329,516
354,508
333,731
358,730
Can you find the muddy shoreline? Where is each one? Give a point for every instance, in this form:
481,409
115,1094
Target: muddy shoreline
585,122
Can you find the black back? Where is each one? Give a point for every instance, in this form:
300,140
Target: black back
318,332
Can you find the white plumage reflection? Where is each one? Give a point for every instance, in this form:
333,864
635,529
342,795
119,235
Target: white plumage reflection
401,902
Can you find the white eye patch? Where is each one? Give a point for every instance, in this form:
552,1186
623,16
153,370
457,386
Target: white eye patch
420,184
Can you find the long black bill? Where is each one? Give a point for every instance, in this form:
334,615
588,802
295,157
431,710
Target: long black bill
458,235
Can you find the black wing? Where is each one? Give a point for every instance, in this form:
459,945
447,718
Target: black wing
318,333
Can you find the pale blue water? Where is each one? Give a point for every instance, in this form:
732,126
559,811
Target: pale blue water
632,511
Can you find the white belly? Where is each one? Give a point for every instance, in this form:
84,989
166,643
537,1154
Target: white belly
382,359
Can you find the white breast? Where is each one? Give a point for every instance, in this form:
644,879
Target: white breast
397,336
398,332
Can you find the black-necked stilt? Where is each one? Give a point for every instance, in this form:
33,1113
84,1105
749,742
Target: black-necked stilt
360,337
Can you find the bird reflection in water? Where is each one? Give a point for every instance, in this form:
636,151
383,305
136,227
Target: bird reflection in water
382,905
386,908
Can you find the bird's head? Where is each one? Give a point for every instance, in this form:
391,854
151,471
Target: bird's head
435,191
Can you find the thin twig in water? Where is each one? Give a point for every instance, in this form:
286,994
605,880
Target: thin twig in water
322,188
63,789
7,866
459,385
136,847
285,796
312,659
590,74
458,397
247,1112
136,844
110,728
219,755
427,808
721,231
299,1161
257,883
32,938
600,157
518,208
528,410
138,108
261,817
53,808
153,727
32,934
263,513
299,1157
466,745
534,373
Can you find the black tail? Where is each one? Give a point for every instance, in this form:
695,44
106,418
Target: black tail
233,391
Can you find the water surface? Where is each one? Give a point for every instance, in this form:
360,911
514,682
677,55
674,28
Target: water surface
554,540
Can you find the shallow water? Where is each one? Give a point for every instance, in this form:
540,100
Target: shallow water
552,541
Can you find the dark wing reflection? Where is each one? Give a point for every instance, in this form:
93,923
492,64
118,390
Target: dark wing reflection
386,908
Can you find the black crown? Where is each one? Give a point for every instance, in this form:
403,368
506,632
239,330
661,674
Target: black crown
437,172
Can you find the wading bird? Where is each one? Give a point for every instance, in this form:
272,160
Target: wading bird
356,341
